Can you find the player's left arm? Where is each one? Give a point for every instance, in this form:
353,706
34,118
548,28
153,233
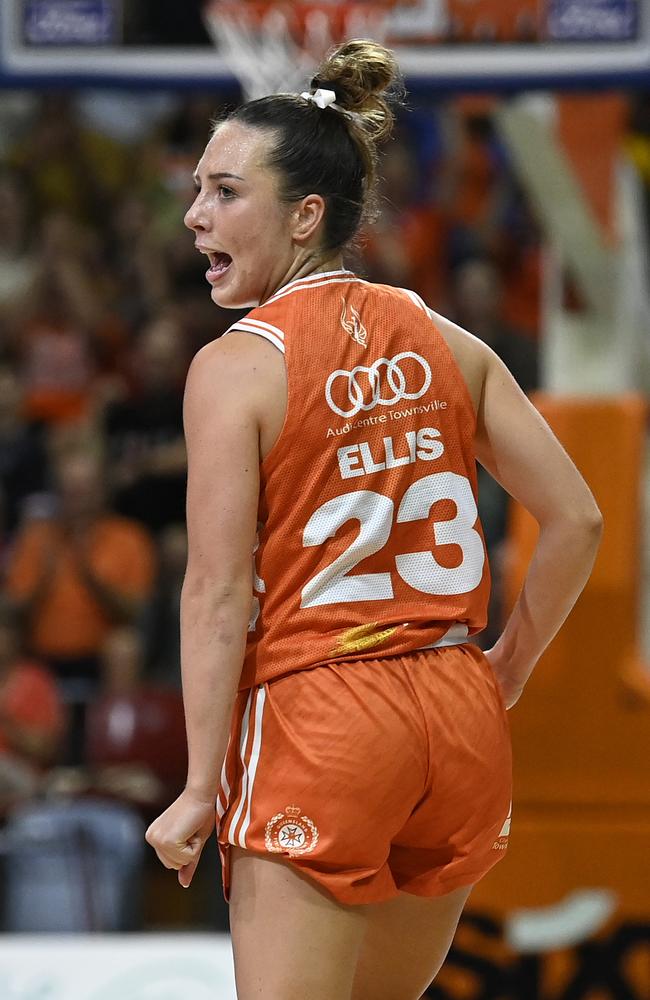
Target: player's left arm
222,436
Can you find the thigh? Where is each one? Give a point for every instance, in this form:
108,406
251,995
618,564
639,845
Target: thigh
405,944
289,937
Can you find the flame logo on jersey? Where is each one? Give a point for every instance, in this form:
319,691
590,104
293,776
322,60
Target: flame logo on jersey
361,637
354,327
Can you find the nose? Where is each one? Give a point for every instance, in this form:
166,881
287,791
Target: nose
195,217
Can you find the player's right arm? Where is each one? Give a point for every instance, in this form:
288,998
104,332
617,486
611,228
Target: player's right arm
517,447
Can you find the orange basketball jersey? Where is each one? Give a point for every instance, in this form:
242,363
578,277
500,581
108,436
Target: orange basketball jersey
369,540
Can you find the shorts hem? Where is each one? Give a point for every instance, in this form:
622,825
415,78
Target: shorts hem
442,887
365,895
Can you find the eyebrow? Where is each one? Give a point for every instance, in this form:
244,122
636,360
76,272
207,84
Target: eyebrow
217,177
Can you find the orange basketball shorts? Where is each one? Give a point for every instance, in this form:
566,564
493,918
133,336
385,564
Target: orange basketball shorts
373,777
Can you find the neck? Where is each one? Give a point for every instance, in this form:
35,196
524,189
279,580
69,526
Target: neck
313,264
317,266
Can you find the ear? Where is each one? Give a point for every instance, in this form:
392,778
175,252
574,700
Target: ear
306,218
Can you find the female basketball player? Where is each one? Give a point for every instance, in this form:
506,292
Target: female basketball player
333,432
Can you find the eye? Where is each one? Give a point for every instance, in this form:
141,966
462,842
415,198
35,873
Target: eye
225,192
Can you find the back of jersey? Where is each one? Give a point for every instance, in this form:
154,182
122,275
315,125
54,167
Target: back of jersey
369,539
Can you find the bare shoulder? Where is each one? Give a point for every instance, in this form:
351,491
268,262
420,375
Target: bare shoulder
240,365
238,352
471,354
237,377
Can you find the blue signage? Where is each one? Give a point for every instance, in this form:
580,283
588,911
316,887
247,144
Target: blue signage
70,22
593,20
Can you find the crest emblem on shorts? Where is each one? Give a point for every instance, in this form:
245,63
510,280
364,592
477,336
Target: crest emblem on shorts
290,833
353,325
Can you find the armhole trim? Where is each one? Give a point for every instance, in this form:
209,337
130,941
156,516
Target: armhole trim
271,333
414,297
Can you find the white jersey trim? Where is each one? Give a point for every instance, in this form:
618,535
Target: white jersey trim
300,282
251,321
262,331
414,297
317,284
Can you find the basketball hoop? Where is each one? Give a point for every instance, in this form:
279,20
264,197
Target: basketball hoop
273,46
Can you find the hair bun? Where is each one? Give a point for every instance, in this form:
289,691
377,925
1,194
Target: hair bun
363,74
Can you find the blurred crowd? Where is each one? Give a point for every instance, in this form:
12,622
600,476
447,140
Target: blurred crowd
103,302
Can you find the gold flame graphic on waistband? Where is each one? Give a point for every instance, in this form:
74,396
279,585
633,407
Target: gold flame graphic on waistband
361,637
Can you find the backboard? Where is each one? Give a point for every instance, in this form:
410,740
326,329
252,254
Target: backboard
441,44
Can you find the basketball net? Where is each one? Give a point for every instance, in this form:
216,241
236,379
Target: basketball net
274,47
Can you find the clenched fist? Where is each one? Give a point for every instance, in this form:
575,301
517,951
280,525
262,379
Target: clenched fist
179,834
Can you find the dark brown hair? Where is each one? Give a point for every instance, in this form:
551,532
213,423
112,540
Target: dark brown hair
332,152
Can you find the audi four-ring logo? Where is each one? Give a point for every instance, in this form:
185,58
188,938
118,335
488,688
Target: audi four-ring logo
394,376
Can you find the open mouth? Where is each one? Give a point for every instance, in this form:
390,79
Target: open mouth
219,262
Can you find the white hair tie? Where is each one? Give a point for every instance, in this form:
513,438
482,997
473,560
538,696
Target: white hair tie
323,99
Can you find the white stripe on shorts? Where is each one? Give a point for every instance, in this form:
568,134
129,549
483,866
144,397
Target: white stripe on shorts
251,726
253,762
242,753
224,787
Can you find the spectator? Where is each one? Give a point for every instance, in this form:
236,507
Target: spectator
145,432
162,621
57,365
406,244
478,306
475,185
56,345
23,457
135,741
31,717
187,129
75,575
70,167
134,258
19,262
